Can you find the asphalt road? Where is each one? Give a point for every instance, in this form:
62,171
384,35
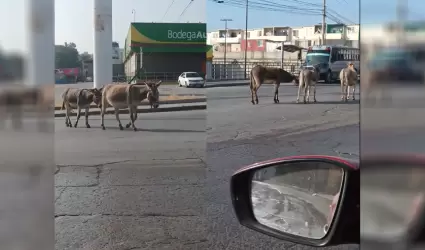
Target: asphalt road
240,133
147,189
118,190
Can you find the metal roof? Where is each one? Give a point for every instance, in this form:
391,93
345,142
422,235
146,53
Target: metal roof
290,48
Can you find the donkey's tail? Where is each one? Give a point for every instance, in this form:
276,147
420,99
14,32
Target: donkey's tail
64,98
251,80
130,94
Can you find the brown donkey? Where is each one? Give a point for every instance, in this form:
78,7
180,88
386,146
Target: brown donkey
260,73
121,96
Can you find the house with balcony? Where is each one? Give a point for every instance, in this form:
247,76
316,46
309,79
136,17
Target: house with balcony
222,38
263,41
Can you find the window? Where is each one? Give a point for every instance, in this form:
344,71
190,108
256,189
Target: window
260,43
249,34
295,32
259,33
309,43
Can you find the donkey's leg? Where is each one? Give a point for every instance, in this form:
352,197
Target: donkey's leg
117,116
347,92
252,96
67,119
342,90
308,92
314,92
276,92
300,86
86,114
102,112
133,117
354,92
305,92
78,116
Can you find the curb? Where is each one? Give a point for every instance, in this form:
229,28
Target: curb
226,85
125,111
183,101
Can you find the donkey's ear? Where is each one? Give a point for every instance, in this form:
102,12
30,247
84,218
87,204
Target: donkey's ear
148,85
158,83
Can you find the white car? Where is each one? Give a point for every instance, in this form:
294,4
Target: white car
189,79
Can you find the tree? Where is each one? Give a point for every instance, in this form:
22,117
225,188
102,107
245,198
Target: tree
85,57
66,56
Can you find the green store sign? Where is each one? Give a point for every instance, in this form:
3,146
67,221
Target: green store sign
157,33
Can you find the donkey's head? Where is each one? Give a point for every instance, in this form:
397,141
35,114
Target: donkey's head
153,94
97,96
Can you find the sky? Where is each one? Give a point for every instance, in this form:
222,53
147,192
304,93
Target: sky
73,19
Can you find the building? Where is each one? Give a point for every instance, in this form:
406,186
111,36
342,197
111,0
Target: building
117,63
165,50
262,42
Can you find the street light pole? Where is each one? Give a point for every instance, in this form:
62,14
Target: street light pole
324,23
246,36
225,20
133,11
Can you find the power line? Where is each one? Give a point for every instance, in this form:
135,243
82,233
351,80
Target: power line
184,11
169,7
297,7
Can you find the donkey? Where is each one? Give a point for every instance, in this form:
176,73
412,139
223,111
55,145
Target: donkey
121,96
149,91
308,79
73,98
260,73
348,78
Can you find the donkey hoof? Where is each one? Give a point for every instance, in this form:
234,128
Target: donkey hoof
121,128
315,101
75,125
67,125
128,125
103,127
88,126
135,129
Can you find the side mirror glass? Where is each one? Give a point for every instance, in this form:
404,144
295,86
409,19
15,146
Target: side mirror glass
297,198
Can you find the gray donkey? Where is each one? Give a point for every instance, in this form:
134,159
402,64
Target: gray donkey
308,79
73,98
348,78
260,73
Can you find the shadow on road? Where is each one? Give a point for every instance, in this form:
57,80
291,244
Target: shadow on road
155,130
324,102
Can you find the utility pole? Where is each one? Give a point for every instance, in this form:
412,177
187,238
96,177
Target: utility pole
225,20
246,37
282,52
401,19
324,23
